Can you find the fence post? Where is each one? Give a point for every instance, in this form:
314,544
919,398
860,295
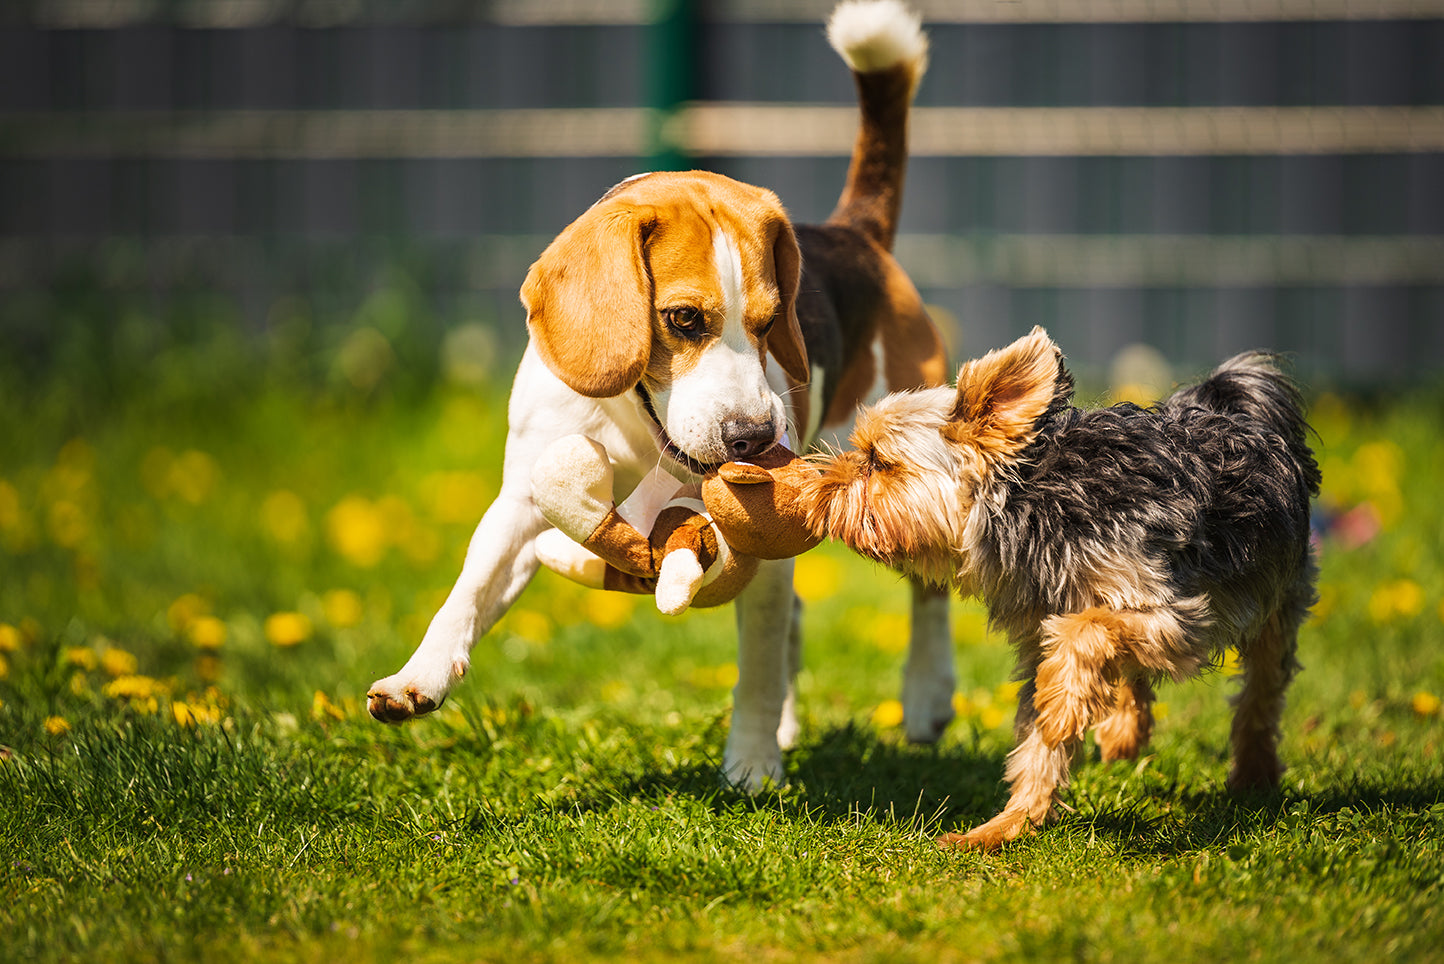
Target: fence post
674,56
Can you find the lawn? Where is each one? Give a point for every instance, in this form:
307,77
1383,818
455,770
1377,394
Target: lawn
208,552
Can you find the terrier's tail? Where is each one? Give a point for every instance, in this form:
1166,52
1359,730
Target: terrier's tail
1255,386
883,42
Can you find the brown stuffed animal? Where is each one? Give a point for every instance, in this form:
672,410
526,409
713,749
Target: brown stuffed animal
702,543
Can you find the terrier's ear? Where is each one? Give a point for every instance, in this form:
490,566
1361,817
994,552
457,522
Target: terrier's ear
1003,394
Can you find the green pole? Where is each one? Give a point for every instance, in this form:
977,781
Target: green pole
672,55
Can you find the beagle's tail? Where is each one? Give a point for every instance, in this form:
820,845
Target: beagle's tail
883,42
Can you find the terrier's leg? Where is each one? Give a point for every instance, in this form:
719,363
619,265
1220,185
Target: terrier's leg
1035,772
1128,728
1268,666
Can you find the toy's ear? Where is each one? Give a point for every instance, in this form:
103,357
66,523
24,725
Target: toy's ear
589,300
784,341
1003,394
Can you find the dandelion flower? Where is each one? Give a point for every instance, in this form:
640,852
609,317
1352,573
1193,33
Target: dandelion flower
357,529
81,657
56,725
323,709
186,610
287,629
4,667
1425,703
206,632
342,607
117,662
9,638
889,713
817,577
609,610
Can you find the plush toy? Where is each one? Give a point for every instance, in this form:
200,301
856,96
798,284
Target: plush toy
689,545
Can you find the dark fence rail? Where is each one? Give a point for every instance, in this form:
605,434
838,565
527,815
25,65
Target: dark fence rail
1202,177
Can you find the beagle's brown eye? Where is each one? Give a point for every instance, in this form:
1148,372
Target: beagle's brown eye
685,320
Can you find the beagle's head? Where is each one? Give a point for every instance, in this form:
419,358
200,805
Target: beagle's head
678,286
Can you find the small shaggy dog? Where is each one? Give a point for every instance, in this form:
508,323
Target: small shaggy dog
1115,547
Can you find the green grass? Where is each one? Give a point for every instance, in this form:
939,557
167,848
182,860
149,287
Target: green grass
203,567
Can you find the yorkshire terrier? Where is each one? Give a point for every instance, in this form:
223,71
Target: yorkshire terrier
1115,546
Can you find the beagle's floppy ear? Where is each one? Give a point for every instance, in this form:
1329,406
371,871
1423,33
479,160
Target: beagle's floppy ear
588,300
784,341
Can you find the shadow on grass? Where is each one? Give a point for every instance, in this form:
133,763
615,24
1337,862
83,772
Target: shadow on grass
840,774
1204,819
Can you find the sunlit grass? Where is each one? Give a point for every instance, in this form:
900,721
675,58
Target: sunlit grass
195,594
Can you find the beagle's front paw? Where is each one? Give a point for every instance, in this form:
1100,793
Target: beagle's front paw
752,765
400,697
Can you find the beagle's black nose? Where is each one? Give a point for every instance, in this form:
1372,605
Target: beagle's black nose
747,438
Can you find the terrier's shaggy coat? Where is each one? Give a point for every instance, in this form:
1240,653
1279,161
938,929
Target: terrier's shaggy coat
1115,547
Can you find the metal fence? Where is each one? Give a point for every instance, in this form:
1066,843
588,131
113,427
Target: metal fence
1199,175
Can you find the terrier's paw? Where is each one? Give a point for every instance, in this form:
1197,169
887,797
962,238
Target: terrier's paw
400,697
1006,826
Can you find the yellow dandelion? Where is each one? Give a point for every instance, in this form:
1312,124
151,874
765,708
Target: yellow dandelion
992,716
4,667
206,632
455,498
1425,703
323,709
1231,665
81,657
1160,710
962,706
1400,598
356,529
118,662
1007,693
287,629
887,714
888,631
67,523
817,577
284,518
342,608
185,610
193,475
609,610
530,625
132,687
182,713
10,638
56,725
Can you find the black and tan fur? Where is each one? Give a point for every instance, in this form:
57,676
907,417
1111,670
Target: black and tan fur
1116,547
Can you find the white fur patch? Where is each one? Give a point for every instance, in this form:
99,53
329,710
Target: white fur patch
876,34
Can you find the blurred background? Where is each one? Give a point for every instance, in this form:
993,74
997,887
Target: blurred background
371,178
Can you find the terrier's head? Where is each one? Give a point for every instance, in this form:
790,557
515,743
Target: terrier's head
921,464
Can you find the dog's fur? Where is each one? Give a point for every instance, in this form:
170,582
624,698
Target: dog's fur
1115,547
653,317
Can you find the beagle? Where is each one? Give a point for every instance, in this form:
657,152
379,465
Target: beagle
684,321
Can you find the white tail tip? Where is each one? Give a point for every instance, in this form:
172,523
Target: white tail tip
876,34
